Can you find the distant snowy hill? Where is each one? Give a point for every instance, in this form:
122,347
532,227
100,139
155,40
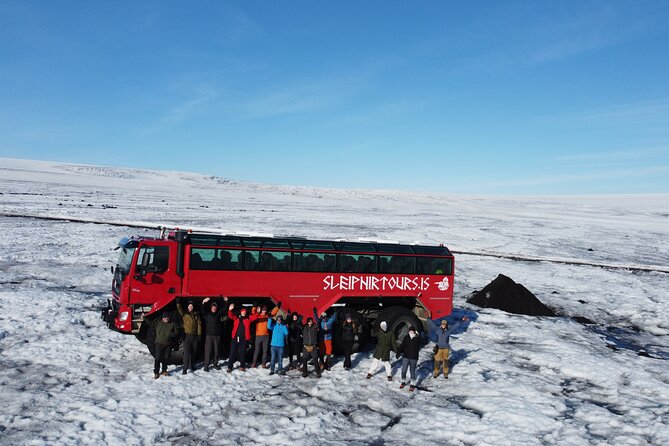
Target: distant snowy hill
66,379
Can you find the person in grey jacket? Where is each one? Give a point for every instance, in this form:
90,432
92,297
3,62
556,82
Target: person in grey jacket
310,347
441,334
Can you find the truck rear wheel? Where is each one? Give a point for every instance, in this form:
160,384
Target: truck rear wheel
399,319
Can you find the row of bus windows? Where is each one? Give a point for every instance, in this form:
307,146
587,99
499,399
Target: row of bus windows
233,259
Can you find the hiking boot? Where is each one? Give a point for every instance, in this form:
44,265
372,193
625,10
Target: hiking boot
318,375
243,369
435,374
217,367
412,388
445,375
390,378
165,373
265,366
206,369
254,365
156,376
304,375
229,370
282,372
271,372
402,385
184,372
369,376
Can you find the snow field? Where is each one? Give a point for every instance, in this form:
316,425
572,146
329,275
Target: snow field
515,380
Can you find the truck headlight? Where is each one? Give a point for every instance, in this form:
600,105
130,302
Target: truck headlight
123,316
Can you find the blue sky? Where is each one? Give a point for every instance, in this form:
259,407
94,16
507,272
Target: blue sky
483,97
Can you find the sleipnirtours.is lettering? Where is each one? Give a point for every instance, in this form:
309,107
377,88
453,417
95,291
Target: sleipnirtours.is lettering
370,283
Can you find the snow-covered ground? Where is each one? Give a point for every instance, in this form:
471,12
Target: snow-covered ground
66,379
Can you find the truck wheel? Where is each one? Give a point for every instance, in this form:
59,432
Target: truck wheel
399,319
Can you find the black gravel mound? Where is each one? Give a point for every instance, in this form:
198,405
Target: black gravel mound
506,295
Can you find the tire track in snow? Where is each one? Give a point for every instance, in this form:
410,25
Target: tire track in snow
515,257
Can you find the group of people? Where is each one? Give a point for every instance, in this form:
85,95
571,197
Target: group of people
276,332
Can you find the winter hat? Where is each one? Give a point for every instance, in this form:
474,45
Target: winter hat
383,325
412,332
214,305
348,316
279,318
310,320
242,310
165,315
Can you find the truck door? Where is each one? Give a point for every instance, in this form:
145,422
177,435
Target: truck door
154,274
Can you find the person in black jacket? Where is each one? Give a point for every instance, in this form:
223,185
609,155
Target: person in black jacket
212,319
349,331
409,349
295,328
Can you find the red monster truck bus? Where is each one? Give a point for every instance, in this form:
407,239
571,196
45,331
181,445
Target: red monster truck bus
399,283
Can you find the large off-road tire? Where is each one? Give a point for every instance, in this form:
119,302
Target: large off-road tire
399,319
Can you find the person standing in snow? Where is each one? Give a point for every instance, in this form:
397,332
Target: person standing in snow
259,316
349,331
385,342
409,349
441,334
166,331
294,340
213,319
310,347
325,337
241,335
192,325
279,338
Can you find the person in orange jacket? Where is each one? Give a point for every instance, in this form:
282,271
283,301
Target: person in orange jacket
241,335
259,316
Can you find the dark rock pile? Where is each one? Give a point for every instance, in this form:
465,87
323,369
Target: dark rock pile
506,295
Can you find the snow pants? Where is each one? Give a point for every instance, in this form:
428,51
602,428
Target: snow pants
237,347
441,357
295,350
348,350
277,358
211,346
262,343
162,356
190,347
411,365
325,347
375,365
306,355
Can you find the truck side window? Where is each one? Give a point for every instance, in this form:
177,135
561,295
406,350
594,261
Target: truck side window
159,257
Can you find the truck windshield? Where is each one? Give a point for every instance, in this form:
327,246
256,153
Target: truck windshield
125,260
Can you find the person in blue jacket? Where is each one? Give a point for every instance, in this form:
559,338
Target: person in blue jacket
279,338
325,337
441,334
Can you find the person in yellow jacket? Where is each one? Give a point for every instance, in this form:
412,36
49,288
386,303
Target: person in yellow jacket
192,324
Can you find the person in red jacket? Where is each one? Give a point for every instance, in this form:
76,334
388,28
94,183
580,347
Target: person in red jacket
241,334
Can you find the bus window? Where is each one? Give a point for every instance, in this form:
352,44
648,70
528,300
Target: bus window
214,259
274,261
397,265
158,257
251,260
357,263
365,264
433,265
309,262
